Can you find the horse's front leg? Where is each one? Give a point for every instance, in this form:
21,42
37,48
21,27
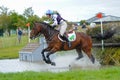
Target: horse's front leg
48,58
43,55
51,51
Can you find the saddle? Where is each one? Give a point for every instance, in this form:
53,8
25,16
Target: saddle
71,35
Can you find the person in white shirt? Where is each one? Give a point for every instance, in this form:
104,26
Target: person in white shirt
58,20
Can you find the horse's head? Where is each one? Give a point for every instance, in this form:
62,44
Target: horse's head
35,32
42,28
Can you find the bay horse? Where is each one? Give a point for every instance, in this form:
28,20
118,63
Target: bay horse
83,42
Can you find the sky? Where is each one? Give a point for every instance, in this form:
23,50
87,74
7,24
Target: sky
71,10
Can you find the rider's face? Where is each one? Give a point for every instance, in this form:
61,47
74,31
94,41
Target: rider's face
48,16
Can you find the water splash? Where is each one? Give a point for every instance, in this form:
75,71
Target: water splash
63,63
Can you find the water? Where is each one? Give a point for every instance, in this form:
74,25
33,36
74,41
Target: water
63,63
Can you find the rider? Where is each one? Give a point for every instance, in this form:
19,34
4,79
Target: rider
58,20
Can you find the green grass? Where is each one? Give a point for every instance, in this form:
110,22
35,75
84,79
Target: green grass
9,46
10,52
112,73
12,41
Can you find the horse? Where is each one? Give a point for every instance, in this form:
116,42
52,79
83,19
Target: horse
83,42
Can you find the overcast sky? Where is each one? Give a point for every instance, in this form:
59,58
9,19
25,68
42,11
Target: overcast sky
71,10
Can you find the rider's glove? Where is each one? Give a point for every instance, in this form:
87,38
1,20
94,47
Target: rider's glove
53,26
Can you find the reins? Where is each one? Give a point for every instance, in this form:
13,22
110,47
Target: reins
47,31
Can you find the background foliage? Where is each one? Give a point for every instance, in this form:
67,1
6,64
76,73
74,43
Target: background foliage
106,27
111,55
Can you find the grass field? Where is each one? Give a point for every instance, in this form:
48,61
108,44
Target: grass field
10,52
111,73
9,46
10,41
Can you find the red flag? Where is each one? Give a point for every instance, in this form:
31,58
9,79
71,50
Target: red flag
28,24
99,15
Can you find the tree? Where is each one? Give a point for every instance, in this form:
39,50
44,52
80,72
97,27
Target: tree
28,12
30,17
4,21
82,21
21,20
33,19
3,10
14,19
4,18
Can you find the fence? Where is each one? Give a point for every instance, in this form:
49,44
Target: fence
106,45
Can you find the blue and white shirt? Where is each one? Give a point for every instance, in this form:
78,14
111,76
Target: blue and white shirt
56,19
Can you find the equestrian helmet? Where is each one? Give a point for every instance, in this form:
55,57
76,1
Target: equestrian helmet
49,12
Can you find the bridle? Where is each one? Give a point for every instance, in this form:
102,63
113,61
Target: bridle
44,32
35,36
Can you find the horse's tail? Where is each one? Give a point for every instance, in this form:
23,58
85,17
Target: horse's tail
108,34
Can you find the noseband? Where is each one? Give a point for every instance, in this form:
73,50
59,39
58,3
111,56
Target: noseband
35,36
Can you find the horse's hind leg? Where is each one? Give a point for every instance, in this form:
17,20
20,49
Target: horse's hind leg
88,52
80,55
92,59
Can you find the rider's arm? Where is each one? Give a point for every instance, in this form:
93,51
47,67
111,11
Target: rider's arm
54,17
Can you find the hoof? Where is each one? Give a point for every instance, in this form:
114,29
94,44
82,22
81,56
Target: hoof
92,59
48,62
53,64
79,57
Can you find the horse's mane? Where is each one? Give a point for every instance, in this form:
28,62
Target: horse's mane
48,26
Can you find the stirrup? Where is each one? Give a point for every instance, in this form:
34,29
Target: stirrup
69,44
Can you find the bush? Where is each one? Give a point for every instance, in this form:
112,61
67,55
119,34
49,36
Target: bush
97,30
110,56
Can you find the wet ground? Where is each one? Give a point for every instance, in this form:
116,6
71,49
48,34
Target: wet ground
63,63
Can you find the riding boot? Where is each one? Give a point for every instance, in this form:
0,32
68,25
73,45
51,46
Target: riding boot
66,39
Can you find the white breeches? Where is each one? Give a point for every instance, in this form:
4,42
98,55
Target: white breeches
62,27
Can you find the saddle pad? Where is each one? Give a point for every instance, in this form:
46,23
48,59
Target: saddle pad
61,39
72,36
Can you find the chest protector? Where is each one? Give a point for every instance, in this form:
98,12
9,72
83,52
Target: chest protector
59,18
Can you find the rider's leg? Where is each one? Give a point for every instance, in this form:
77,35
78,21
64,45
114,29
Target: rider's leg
63,27
64,37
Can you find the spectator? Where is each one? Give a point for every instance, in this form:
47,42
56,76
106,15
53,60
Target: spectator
19,33
84,25
75,26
